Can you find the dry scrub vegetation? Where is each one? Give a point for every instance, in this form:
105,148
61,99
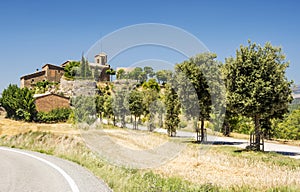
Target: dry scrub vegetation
219,167
215,168
10,127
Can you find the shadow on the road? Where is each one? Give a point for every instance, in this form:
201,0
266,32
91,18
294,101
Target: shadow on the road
285,153
216,142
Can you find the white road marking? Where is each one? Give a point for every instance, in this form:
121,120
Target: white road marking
70,181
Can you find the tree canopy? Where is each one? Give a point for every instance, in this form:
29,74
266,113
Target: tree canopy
256,83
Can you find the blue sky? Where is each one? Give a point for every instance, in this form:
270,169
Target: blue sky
34,33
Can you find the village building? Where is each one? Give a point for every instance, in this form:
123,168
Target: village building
49,72
53,73
49,101
100,67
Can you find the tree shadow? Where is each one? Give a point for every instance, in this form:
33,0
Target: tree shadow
284,153
215,142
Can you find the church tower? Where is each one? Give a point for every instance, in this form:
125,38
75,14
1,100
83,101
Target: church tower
101,59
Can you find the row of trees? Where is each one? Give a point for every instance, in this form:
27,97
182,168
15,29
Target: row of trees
143,74
253,86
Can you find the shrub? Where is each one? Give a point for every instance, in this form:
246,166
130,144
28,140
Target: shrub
56,115
18,103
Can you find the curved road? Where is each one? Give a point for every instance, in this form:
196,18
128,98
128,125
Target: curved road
26,171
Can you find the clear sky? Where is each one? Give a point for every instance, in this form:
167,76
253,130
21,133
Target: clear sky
36,32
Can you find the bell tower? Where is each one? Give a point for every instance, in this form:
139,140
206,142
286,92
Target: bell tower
101,59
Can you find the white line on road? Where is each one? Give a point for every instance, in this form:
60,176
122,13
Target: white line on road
70,181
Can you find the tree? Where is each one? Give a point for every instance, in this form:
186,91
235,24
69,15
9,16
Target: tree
256,83
149,71
110,72
172,110
135,105
121,73
194,70
152,85
150,96
71,69
108,108
135,73
100,105
163,75
119,105
84,109
84,70
18,103
289,128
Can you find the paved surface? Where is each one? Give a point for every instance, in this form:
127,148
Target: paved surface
27,171
106,147
288,150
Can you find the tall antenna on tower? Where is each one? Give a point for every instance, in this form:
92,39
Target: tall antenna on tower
101,43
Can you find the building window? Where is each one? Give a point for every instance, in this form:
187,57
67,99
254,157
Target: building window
98,61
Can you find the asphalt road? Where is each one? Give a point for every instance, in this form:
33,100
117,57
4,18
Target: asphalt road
25,171
287,150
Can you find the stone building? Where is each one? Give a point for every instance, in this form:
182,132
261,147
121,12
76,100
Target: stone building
53,73
49,72
100,67
49,101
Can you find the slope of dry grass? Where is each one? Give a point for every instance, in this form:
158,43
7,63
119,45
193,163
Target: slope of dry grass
10,127
213,166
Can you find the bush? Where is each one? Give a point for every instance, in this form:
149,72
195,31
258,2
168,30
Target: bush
289,128
56,115
18,103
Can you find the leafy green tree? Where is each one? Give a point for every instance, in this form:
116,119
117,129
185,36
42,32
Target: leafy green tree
119,105
84,71
149,71
100,105
84,109
256,83
110,72
172,110
136,73
135,105
18,103
194,69
108,108
289,128
160,108
163,75
150,96
71,69
152,85
121,74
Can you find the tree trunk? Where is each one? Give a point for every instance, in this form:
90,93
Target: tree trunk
114,120
202,129
257,132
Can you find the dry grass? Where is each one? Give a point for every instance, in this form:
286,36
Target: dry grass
199,166
226,170
136,140
10,127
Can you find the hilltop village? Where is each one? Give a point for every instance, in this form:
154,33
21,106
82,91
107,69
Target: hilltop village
58,94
